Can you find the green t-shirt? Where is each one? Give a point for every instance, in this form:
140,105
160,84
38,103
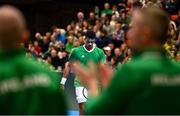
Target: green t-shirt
106,11
84,56
26,87
148,84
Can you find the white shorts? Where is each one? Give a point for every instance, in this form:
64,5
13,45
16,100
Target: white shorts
81,94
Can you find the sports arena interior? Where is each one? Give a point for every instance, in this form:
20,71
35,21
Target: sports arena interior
89,57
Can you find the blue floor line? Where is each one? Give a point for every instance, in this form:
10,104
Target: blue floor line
73,113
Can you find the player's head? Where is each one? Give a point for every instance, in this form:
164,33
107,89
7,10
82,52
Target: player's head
12,27
89,39
148,28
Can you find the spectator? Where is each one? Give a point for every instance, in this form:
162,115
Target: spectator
39,38
81,40
124,49
96,31
80,18
85,26
48,35
63,59
108,53
45,44
52,39
55,61
91,19
112,47
70,44
128,56
37,48
118,54
96,11
107,10
69,28
113,21
59,36
33,52
114,63
171,6
118,35
104,39
123,18
48,63
77,43
60,46
115,11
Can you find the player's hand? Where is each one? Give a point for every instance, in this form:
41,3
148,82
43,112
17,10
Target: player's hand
105,74
88,77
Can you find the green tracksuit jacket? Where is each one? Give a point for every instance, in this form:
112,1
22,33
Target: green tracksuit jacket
149,84
27,87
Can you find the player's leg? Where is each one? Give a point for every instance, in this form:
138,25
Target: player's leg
81,96
81,109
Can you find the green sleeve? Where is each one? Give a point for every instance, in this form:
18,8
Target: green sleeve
50,103
72,56
115,97
102,12
102,57
52,100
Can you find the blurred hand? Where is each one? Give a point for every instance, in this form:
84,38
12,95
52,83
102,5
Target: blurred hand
90,76
105,74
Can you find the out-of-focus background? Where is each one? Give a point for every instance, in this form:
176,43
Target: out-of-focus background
58,26
41,15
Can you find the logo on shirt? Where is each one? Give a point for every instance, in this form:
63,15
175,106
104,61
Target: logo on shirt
165,80
82,56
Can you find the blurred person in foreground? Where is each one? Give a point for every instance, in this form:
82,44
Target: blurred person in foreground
84,54
148,84
25,86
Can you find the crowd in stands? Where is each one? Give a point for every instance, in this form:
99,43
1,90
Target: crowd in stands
110,25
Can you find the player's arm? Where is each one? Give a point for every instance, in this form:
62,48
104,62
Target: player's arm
67,68
102,57
65,74
119,91
104,70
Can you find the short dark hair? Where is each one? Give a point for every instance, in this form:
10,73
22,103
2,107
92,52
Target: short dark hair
158,20
90,35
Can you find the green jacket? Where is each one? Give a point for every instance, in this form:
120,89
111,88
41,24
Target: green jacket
106,11
27,87
148,84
